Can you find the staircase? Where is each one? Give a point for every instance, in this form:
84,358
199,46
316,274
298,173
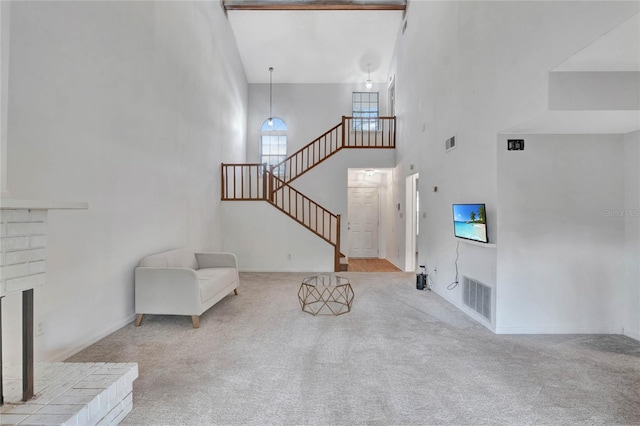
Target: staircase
259,182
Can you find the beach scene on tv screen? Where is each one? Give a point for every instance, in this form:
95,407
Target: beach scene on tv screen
469,221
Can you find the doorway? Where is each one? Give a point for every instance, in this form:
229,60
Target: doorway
392,98
411,237
363,224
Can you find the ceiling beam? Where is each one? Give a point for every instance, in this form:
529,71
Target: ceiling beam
315,4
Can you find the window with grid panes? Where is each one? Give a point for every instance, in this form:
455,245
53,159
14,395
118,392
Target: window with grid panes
273,143
365,111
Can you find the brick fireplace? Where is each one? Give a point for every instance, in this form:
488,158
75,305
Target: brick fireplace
51,393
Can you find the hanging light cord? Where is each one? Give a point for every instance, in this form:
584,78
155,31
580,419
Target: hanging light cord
270,90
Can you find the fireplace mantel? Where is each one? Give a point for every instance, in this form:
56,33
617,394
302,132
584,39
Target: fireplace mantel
23,241
13,203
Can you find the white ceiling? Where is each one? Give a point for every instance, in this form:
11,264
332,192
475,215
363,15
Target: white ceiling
315,46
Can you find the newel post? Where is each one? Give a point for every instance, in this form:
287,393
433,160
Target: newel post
222,181
344,126
265,176
336,260
394,131
272,184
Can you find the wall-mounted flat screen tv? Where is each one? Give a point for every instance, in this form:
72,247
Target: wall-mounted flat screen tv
470,222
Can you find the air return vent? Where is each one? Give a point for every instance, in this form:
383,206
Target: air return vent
450,143
477,296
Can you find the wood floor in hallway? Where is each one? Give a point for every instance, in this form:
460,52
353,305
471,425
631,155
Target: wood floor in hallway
371,265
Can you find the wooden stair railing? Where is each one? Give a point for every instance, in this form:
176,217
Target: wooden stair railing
307,213
350,133
253,182
244,182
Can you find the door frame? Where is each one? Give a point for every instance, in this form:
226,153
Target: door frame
411,222
378,212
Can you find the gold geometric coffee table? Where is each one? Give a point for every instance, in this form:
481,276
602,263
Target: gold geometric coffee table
325,295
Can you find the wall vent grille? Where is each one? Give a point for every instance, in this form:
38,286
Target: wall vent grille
477,296
450,143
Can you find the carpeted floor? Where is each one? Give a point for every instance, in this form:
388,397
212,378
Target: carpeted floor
400,357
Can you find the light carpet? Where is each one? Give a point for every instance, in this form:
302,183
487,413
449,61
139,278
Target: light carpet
400,357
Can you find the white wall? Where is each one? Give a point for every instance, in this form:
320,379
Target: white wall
271,241
595,91
631,213
131,107
309,110
328,183
561,249
471,69
5,11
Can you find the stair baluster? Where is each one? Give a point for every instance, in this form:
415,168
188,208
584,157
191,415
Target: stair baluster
251,181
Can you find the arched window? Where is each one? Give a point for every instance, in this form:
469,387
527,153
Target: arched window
273,142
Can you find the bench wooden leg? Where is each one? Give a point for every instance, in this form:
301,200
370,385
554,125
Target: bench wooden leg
139,320
195,319
235,291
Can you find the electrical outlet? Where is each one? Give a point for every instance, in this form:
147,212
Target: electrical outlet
39,331
289,256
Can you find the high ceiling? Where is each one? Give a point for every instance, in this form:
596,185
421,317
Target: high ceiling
317,41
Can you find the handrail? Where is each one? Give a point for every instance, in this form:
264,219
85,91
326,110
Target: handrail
243,182
254,181
346,134
304,210
310,155
364,132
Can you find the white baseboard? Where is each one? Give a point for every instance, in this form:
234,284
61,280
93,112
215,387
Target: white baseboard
634,334
323,271
395,264
556,330
468,312
68,352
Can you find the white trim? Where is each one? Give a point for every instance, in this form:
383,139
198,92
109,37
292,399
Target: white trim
66,353
304,270
557,330
411,222
12,203
394,263
468,312
634,334
476,243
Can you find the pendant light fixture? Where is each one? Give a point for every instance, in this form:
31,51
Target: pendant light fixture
270,123
369,83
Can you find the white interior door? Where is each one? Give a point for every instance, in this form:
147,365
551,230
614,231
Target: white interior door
363,222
